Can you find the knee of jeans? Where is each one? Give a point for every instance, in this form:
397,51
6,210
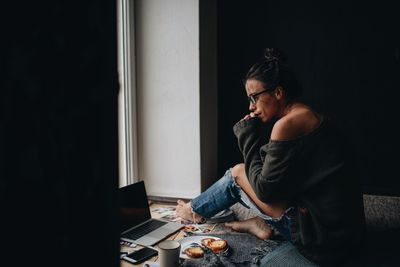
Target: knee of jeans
234,188
238,169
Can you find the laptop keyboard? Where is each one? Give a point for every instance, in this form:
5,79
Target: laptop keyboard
144,229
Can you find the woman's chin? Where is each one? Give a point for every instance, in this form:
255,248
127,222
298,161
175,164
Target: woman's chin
262,119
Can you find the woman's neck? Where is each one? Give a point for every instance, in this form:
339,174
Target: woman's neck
288,107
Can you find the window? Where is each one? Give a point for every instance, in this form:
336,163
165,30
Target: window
162,116
127,96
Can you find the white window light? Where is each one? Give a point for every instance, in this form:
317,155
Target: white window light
127,95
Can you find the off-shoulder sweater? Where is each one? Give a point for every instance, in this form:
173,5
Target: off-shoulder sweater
315,174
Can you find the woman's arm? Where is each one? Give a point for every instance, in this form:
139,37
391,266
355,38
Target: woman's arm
268,167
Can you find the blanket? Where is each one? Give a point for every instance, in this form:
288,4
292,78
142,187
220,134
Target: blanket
244,250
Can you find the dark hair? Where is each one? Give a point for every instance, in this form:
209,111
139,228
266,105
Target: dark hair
273,71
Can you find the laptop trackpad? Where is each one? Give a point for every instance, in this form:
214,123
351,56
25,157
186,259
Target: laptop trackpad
160,232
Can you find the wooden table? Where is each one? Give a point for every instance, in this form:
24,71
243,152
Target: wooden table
177,236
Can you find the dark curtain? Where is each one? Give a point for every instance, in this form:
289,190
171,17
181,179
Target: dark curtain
58,134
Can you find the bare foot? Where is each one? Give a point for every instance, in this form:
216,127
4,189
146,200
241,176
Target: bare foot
184,210
255,226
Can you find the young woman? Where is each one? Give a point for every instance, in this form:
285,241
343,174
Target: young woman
295,175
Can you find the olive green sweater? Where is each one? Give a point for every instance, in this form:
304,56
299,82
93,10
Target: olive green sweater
314,174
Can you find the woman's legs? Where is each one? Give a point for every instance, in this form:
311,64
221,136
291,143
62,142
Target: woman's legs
224,193
274,211
274,215
184,210
255,226
221,195
234,187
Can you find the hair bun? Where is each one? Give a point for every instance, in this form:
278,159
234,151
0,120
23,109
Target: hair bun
273,54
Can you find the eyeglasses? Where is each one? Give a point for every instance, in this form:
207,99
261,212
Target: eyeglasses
253,97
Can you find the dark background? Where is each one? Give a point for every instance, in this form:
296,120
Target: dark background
346,56
58,134
58,108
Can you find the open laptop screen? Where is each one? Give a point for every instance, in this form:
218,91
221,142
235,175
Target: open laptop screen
134,206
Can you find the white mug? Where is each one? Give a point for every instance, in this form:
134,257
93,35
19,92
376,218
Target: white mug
168,253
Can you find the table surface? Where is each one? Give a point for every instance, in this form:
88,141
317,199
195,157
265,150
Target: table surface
155,213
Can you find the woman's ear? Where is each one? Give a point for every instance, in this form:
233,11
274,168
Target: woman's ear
279,92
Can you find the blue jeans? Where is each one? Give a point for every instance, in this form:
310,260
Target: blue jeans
226,192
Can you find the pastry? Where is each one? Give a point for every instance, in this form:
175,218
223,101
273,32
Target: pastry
218,245
194,252
206,241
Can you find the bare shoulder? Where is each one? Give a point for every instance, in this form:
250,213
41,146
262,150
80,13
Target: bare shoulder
299,121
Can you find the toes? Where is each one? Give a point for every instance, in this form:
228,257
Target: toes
232,225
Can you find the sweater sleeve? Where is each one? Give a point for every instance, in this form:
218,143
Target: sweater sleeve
268,167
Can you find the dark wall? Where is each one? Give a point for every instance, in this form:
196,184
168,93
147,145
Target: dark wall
346,56
58,134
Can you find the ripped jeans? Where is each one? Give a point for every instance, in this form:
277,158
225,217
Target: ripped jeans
225,193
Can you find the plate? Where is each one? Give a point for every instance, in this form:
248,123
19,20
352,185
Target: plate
187,241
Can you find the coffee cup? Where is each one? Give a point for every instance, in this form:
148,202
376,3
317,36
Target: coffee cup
168,253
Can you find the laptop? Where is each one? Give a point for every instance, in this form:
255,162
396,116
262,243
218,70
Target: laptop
136,223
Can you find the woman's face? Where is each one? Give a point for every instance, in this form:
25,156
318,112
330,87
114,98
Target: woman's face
266,105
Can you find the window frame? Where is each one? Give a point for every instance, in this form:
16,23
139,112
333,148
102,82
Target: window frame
128,159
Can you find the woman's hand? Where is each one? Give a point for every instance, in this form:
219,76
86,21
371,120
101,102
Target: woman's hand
249,116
